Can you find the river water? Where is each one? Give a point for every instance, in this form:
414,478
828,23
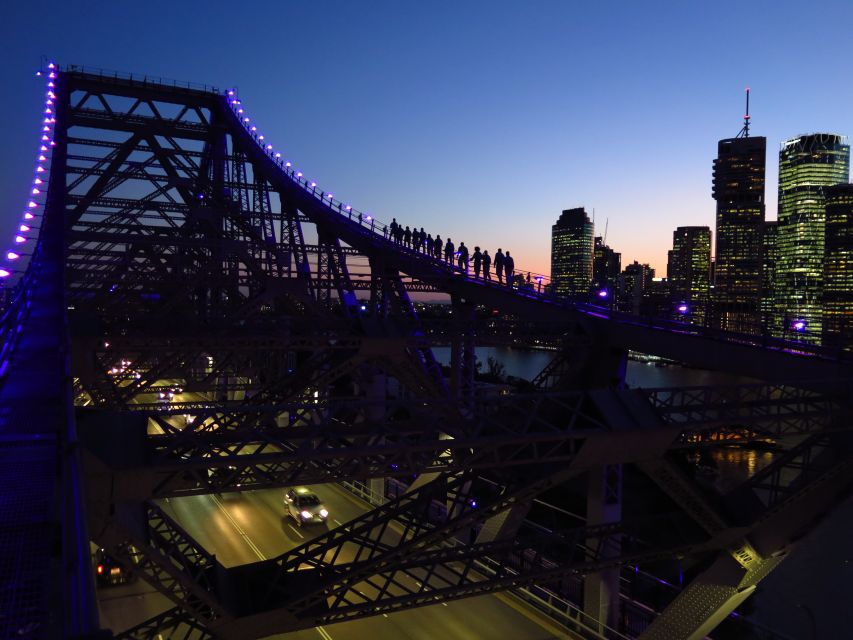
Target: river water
810,595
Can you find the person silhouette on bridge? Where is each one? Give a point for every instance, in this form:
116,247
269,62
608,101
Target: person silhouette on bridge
448,252
499,265
422,243
478,260
509,267
430,245
437,245
487,262
463,258
416,238
394,227
385,231
407,237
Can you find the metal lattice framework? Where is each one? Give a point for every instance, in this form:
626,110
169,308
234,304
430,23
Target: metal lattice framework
235,327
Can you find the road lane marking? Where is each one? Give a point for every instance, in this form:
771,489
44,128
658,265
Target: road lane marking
236,526
323,633
296,531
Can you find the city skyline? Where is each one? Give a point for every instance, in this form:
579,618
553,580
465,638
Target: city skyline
485,133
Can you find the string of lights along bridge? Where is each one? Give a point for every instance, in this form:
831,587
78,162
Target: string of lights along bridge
203,339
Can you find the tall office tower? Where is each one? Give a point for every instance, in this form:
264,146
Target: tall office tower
738,189
571,253
838,268
689,273
807,165
633,282
769,236
606,265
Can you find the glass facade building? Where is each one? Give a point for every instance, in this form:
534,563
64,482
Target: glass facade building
769,235
838,268
634,282
807,165
606,266
738,188
571,253
689,273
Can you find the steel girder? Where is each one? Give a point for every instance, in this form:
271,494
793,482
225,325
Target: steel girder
176,216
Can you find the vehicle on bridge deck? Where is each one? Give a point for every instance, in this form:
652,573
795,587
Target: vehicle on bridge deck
108,571
304,506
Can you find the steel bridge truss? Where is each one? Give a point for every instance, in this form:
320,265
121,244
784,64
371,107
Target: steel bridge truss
241,337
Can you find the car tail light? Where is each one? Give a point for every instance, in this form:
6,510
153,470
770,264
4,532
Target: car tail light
100,569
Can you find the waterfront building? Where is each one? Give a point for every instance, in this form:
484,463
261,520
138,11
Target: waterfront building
768,274
738,188
633,282
838,268
807,165
572,253
689,273
606,266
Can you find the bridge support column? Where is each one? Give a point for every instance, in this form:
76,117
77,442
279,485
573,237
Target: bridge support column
604,504
376,394
463,352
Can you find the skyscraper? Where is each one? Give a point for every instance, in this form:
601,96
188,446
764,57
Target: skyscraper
633,283
838,268
606,265
571,253
807,165
739,191
769,237
689,273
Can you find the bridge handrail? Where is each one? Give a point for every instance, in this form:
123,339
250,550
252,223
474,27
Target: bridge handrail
112,74
537,286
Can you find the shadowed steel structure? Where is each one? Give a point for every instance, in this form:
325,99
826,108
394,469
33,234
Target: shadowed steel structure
227,325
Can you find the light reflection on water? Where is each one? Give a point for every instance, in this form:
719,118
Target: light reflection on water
733,465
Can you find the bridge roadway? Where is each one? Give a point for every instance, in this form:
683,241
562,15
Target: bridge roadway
241,528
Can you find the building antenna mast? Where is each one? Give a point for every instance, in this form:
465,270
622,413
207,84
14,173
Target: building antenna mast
745,131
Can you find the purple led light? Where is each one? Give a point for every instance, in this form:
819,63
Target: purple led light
11,255
601,294
230,92
298,174
369,218
329,196
799,325
682,308
51,66
278,155
254,128
269,147
35,192
20,239
239,111
40,170
23,228
52,76
42,158
45,139
246,119
348,208
51,85
5,273
260,137
287,164
38,181
313,184
28,215
32,204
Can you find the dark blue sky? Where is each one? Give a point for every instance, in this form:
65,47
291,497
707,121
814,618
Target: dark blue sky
478,120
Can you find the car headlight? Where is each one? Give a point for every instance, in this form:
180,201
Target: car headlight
305,514
323,513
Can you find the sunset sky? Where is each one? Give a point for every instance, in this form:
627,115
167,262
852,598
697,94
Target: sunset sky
478,120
